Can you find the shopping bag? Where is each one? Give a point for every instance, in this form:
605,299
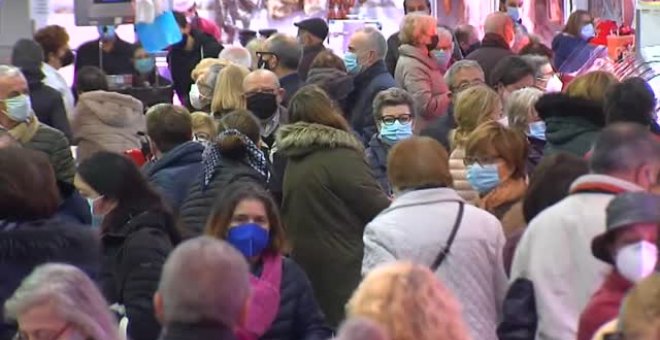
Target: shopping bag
160,34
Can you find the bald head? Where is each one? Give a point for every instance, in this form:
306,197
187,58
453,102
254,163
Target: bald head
262,81
501,24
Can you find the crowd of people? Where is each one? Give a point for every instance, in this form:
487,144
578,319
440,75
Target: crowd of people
426,186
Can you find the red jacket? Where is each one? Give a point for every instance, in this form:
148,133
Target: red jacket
604,305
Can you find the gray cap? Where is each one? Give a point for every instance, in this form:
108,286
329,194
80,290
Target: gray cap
623,211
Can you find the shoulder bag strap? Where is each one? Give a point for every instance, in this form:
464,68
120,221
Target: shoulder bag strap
445,251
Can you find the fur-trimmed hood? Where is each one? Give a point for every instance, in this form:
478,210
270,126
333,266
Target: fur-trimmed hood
561,105
300,139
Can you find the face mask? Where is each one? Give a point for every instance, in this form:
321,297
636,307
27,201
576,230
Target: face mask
263,105
19,108
67,59
108,33
145,65
97,219
483,178
554,84
637,261
537,130
395,132
196,99
588,31
441,57
504,121
434,43
351,63
514,13
250,239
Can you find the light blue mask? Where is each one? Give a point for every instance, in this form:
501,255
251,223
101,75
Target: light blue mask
145,65
514,13
537,130
588,31
97,220
441,57
390,134
19,108
483,178
351,63
109,34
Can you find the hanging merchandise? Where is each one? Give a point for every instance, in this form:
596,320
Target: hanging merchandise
162,32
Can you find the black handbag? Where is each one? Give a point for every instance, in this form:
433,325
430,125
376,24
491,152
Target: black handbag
445,250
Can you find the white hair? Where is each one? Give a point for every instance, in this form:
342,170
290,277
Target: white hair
238,55
450,76
73,295
204,279
520,105
8,71
376,40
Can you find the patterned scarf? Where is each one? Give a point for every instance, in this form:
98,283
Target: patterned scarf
211,157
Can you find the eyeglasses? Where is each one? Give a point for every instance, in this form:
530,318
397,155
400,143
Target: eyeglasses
403,119
481,160
467,84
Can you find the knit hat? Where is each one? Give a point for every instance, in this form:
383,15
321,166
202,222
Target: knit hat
625,210
27,55
316,26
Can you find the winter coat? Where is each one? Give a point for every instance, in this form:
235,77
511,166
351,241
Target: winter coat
440,129
47,103
173,173
572,124
117,61
25,245
74,207
565,47
133,256
199,201
308,56
299,316
107,121
418,73
392,57
377,158
181,331
492,50
536,150
291,83
416,228
604,305
337,84
458,172
554,273
367,85
329,197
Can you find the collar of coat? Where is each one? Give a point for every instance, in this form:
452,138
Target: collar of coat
24,132
562,105
421,54
603,184
303,138
494,40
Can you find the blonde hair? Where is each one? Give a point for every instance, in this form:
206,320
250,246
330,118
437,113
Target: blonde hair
204,65
204,123
640,317
228,91
592,86
508,144
473,107
255,45
410,302
520,106
414,26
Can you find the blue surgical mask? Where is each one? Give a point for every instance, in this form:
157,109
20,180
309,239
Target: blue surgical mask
145,65
108,34
250,239
97,219
537,130
588,31
19,108
351,63
441,57
390,134
483,178
514,13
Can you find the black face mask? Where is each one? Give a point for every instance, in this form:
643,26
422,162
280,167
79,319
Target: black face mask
67,59
434,43
263,105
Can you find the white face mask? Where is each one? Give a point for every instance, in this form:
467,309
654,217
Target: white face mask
636,261
504,121
554,84
196,99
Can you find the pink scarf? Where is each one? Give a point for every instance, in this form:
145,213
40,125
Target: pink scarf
264,298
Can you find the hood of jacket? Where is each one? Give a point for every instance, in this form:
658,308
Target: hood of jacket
112,108
338,84
300,139
420,54
182,155
566,117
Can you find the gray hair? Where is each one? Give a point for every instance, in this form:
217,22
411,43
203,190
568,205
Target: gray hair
359,328
287,49
73,295
446,32
392,97
450,76
536,62
8,71
238,55
204,279
623,147
519,106
376,41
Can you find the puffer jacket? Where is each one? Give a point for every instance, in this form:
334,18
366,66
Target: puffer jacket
299,316
458,172
418,73
337,84
47,103
107,121
25,245
377,159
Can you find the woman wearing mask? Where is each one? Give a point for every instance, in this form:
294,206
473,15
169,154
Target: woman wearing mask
629,244
228,91
137,234
573,41
546,79
204,76
417,70
473,107
444,50
233,156
522,116
146,74
282,304
495,157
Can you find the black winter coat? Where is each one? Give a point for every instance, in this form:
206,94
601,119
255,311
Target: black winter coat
199,202
47,103
25,245
493,49
299,316
133,256
441,128
377,159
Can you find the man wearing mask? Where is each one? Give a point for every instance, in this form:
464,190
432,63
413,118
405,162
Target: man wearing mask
281,55
513,8
444,50
365,60
496,44
628,244
54,40
109,53
263,96
311,34
393,42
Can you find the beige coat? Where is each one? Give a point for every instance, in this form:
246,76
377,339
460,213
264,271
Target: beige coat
107,121
459,175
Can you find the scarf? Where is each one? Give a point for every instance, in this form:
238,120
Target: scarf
212,156
511,190
265,298
24,132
